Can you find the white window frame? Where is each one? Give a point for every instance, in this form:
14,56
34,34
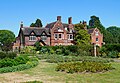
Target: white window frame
44,37
55,36
69,36
96,33
32,38
97,39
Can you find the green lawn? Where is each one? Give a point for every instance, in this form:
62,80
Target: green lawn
45,72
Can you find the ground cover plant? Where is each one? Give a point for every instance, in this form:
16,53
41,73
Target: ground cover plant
17,64
85,66
54,58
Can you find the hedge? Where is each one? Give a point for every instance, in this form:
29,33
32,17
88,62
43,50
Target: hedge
19,67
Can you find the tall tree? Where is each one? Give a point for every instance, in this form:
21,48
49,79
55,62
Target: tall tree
94,22
82,36
6,39
115,31
38,23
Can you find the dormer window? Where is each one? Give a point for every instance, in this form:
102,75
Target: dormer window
96,33
59,29
66,28
32,38
70,30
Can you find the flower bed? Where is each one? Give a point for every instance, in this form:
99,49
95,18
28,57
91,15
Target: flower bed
85,66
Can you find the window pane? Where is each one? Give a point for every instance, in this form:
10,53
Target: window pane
59,35
96,39
71,36
55,36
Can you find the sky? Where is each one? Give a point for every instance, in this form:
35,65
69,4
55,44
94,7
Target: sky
12,12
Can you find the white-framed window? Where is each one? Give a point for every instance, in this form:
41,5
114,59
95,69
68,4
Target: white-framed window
43,37
32,38
60,35
96,39
55,36
96,33
70,37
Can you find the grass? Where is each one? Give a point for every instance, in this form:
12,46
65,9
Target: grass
45,72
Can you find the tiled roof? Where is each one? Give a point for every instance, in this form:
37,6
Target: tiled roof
50,25
90,31
36,30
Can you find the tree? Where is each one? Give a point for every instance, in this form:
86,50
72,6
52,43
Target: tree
38,23
115,32
6,39
94,22
82,36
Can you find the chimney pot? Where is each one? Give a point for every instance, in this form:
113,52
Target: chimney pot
58,18
70,20
21,24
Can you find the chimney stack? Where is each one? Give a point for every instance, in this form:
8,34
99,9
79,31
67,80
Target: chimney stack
58,18
21,24
70,20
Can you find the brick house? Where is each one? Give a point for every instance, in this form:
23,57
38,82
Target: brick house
55,33
96,36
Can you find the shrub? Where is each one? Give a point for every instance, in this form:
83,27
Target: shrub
7,62
28,50
18,67
113,54
32,82
54,58
84,66
7,54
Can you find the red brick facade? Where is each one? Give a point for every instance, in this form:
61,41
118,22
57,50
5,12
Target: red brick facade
96,36
55,33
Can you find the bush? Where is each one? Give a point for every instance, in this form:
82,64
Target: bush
66,50
28,50
19,67
7,62
84,66
32,82
7,55
54,58
113,54
11,65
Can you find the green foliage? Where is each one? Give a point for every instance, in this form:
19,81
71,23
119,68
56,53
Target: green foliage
37,45
110,50
60,58
32,82
38,23
28,50
6,39
19,67
94,22
115,34
85,66
7,54
82,37
17,64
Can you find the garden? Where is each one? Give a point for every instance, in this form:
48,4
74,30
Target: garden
45,64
